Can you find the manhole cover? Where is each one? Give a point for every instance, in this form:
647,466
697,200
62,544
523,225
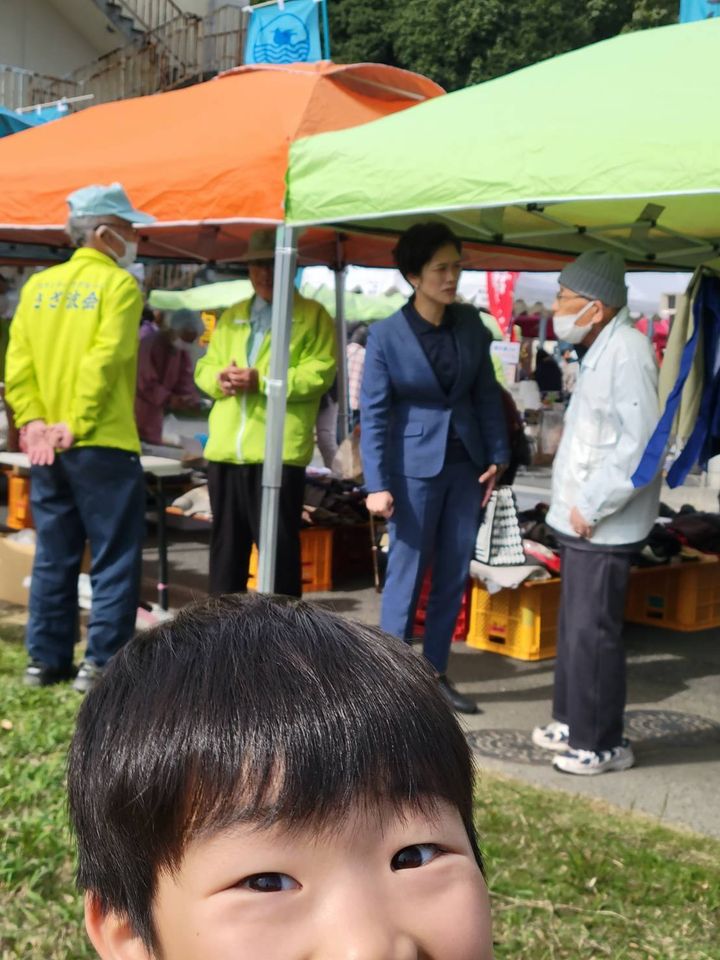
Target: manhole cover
650,728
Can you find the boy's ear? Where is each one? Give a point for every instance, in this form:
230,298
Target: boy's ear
112,935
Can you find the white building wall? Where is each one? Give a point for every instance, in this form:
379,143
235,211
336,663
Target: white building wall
34,35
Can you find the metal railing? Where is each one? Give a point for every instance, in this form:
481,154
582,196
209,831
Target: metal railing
224,39
170,57
24,88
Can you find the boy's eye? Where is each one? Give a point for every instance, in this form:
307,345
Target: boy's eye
269,883
418,855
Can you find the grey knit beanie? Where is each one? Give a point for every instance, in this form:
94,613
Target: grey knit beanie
598,275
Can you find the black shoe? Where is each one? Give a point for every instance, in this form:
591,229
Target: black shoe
457,701
39,674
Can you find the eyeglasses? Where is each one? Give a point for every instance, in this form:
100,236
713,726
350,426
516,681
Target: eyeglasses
571,296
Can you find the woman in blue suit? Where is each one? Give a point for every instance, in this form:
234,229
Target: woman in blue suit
433,440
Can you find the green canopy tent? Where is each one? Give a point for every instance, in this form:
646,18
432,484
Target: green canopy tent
208,296
614,145
218,296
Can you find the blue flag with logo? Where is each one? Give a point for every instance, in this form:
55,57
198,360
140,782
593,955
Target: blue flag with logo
284,34
699,10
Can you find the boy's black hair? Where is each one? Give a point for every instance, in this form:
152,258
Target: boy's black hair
418,245
254,710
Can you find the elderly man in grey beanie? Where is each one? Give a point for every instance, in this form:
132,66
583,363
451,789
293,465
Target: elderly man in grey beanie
599,517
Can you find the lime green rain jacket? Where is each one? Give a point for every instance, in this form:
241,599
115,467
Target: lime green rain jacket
237,424
73,347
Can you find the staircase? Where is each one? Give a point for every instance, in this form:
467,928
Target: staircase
141,16
124,22
166,49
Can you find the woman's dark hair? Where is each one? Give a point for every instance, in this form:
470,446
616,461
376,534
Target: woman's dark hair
418,245
250,709
359,334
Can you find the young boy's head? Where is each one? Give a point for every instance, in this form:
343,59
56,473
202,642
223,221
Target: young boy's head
264,780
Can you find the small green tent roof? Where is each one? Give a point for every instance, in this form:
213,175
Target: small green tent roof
209,296
615,144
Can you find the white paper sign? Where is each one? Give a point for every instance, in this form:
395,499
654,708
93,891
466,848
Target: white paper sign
507,351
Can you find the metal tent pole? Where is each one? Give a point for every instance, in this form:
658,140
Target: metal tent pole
276,388
341,338
542,331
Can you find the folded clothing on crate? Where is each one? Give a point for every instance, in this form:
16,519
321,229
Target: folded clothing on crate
495,579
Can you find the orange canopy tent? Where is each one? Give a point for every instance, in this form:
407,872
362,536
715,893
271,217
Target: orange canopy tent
209,161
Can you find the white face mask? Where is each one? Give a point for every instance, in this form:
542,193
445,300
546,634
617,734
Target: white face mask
129,254
566,328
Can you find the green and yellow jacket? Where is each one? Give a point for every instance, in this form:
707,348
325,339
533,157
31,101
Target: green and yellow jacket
237,424
72,355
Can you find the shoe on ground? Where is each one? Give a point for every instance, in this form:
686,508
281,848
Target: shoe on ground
88,676
588,763
459,702
553,736
39,674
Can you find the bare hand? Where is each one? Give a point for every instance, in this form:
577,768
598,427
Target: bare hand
490,478
579,524
381,503
247,380
227,379
37,443
60,436
234,380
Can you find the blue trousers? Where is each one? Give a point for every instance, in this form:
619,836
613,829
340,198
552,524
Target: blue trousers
95,494
434,523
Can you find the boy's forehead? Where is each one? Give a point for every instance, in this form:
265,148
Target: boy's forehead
371,818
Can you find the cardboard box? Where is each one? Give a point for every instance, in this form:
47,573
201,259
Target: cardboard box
16,560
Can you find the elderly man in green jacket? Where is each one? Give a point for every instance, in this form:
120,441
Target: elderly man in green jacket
71,368
233,373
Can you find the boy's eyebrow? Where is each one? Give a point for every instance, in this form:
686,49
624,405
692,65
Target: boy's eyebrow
376,817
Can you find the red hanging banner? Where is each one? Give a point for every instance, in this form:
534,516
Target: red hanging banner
500,288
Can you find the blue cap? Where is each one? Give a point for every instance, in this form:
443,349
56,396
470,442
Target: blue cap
102,201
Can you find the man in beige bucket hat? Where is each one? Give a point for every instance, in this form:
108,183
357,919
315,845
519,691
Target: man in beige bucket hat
234,373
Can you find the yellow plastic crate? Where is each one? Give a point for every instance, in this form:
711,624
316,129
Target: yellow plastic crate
683,597
519,623
316,546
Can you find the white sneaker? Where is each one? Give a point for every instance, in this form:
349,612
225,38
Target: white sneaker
586,763
553,736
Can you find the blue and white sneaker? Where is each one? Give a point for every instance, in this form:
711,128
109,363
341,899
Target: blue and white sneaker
553,736
587,763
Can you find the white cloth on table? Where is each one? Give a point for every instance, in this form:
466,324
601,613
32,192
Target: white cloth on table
495,579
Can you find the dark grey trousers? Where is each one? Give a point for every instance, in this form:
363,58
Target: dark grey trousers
236,498
590,690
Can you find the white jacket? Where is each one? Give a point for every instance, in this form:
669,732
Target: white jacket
608,423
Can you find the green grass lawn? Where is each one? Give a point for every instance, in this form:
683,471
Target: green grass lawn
569,878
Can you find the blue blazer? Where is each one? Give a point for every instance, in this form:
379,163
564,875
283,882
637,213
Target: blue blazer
405,414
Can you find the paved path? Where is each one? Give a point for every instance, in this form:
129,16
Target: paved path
673,718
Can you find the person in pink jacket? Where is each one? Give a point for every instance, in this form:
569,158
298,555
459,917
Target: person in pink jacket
165,373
